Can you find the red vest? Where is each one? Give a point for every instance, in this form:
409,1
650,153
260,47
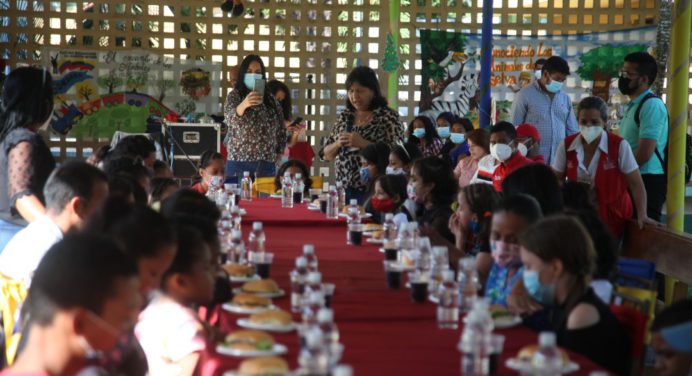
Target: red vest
614,203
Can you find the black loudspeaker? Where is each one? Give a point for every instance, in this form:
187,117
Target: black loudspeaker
182,168
188,141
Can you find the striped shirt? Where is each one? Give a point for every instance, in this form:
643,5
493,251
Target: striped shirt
553,117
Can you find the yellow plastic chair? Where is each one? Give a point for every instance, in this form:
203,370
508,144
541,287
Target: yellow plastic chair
317,181
264,186
13,295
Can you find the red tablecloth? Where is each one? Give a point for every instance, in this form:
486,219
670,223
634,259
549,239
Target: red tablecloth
270,212
383,332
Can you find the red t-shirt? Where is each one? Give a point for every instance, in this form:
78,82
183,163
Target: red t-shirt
506,168
199,188
538,159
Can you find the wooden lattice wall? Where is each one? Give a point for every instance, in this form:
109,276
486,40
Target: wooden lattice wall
297,38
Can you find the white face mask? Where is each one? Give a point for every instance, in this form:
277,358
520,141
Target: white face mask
590,133
394,171
523,150
501,152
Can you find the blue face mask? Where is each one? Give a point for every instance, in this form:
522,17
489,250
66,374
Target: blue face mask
419,133
474,226
554,86
364,175
443,132
541,293
250,78
457,138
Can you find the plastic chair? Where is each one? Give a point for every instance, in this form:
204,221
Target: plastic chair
317,181
264,186
12,295
635,323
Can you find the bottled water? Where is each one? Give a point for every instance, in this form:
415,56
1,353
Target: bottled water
313,283
246,187
425,259
236,251
312,304
448,305
235,218
298,280
330,333
389,230
405,238
309,253
341,194
255,241
342,370
475,340
468,283
438,265
313,358
353,212
298,189
547,360
287,191
332,203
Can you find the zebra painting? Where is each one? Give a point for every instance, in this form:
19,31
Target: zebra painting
464,90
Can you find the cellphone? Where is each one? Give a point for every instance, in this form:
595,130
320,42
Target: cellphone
297,121
259,86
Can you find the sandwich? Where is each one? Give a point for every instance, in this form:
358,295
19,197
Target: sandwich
499,312
361,210
270,366
251,301
377,234
526,354
275,318
251,340
261,286
372,227
239,270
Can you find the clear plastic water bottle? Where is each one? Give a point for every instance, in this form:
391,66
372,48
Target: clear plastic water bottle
341,194
313,358
438,265
298,279
330,332
389,230
313,283
236,251
547,360
246,187
405,238
213,188
448,304
298,189
468,283
424,262
475,340
235,218
353,212
309,253
311,306
256,239
332,203
287,191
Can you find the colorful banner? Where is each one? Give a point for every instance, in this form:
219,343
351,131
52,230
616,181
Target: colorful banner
451,67
98,93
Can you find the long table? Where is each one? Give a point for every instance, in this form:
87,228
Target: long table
383,332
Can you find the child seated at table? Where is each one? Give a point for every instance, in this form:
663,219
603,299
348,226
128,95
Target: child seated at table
401,158
389,197
514,215
559,258
168,329
670,340
293,166
432,186
210,164
374,159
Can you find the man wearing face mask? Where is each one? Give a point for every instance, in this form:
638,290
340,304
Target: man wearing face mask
547,107
529,142
645,126
503,147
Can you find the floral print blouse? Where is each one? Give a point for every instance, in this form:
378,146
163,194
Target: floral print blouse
258,135
384,127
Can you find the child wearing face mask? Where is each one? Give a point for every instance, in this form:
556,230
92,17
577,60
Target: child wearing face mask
559,258
422,132
211,168
373,161
389,197
514,215
401,158
503,147
602,160
529,142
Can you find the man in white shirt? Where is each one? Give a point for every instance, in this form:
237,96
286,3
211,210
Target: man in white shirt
73,191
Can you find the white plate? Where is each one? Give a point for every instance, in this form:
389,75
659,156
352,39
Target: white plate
366,215
277,294
278,349
246,310
433,299
505,322
237,373
274,195
527,367
312,207
244,279
374,241
246,323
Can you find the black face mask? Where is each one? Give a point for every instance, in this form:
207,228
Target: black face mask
624,86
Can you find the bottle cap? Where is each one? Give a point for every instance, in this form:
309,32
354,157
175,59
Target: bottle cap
546,339
332,187
316,297
353,202
308,249
236,234
257,226
314,278
342,370
299,175
235,210
339,184
325,315
287,174
301,262
389,216
314,338
424,242
448,275
246,174
439,251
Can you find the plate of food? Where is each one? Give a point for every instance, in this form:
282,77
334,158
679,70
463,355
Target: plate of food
250,343
275,195
241,272
502,318
313,207
362,215
373,240
523,361
263,287
270,365
249,304
272,321
371,228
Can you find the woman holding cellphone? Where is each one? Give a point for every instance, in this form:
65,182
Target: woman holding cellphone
256,133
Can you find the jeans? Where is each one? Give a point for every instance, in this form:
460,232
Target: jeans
235,170
656,186
7,231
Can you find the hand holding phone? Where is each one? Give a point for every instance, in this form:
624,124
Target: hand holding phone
259,86
297,122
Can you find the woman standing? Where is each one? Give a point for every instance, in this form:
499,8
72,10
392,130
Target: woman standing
25,160
366,120
256,133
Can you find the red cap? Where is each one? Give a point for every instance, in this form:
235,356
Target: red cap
528,130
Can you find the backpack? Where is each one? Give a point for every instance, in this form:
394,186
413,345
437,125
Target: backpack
664,159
